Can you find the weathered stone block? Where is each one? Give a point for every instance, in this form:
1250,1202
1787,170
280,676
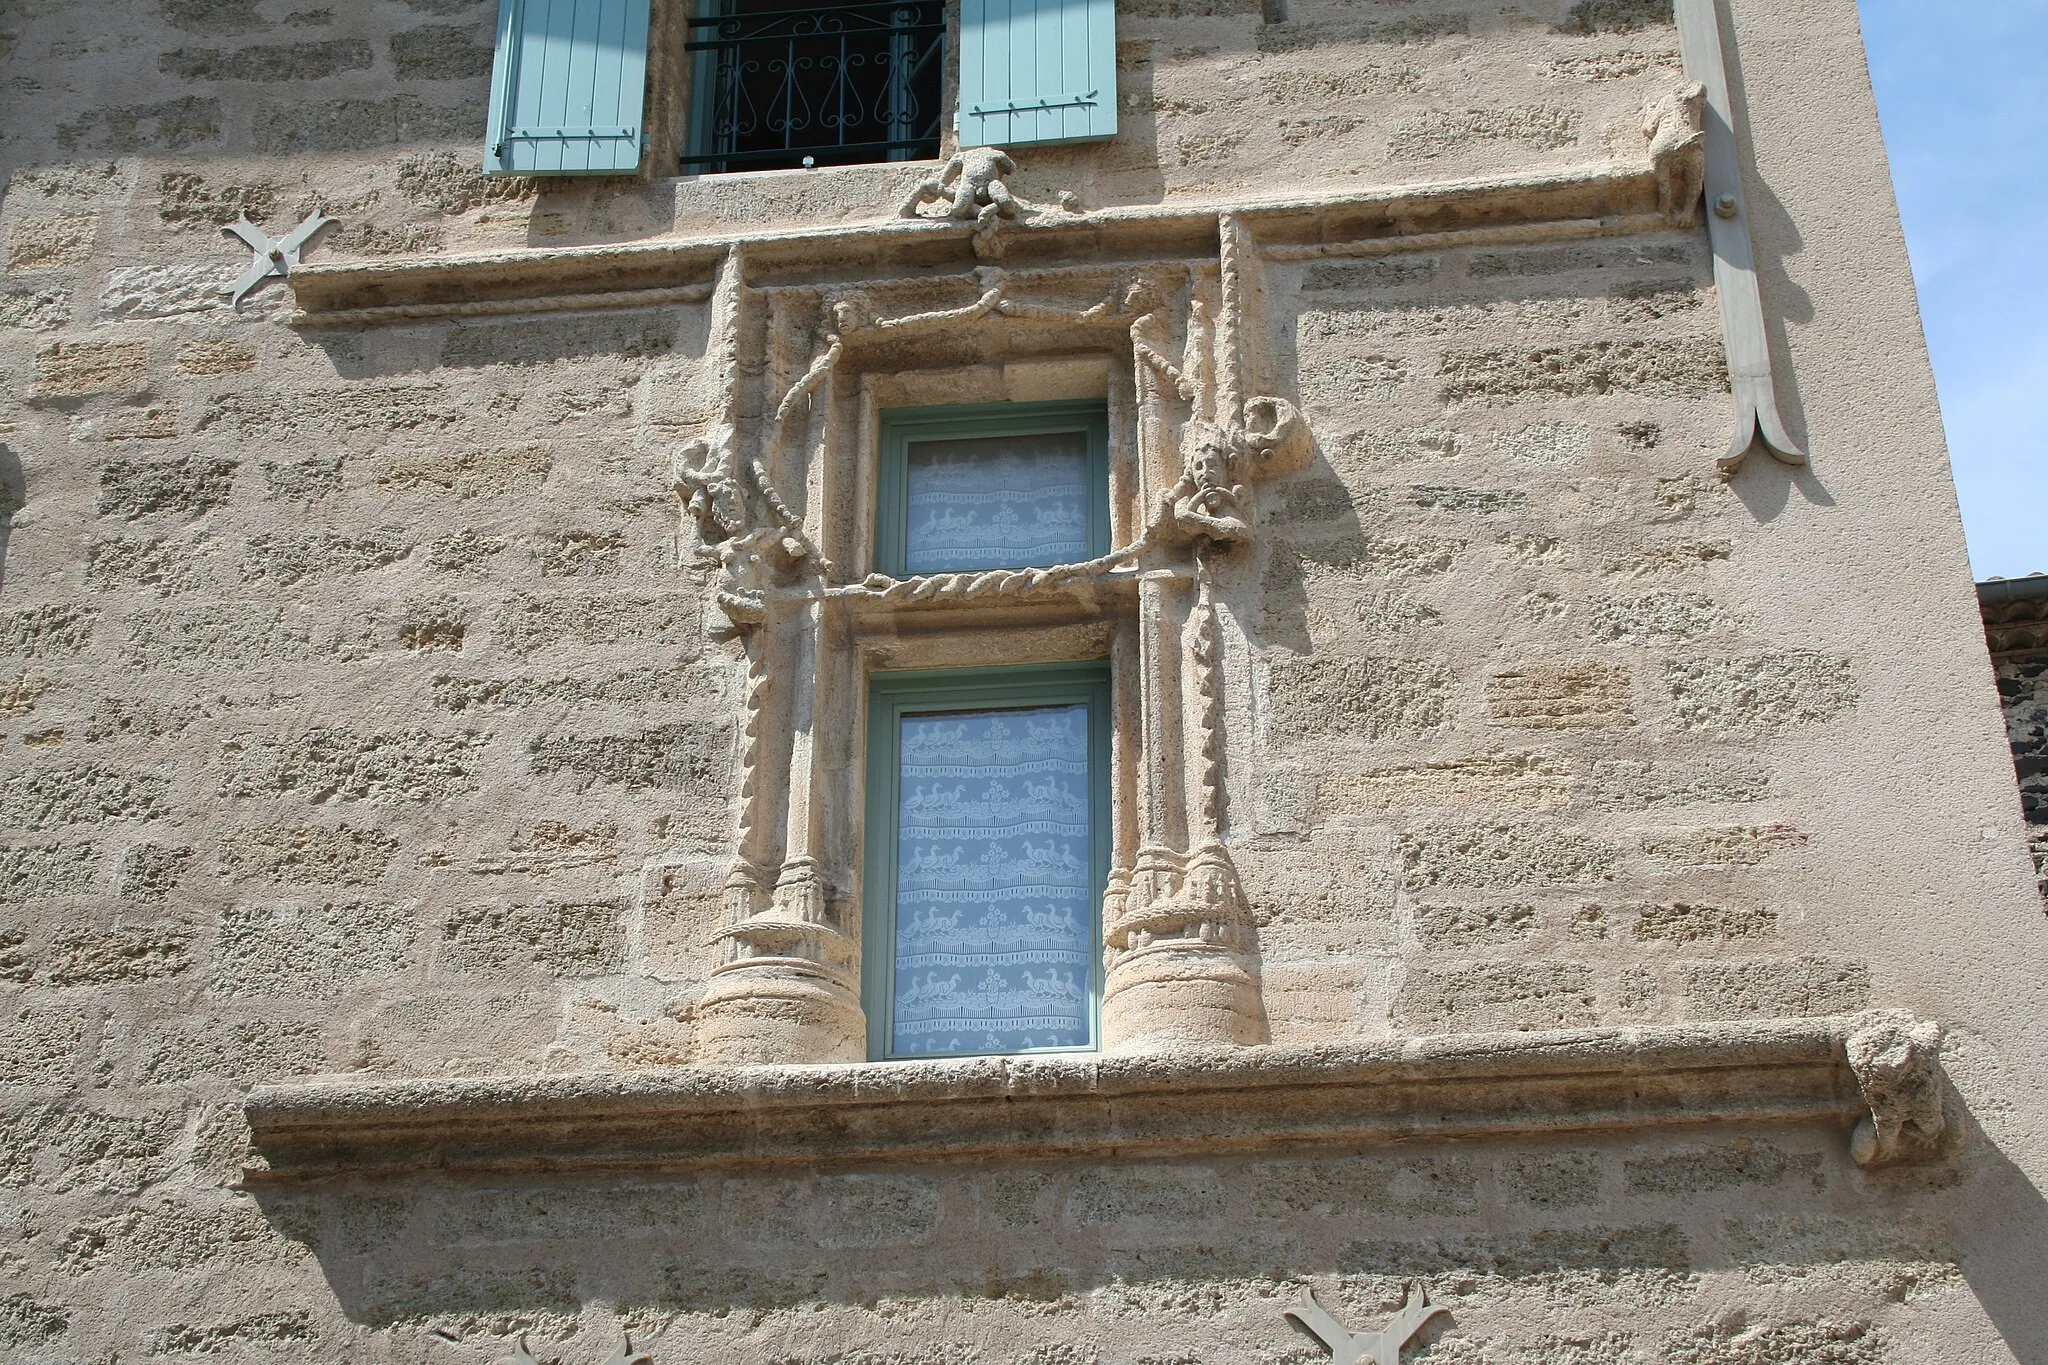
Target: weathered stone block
1655,616
307,480
1474,926
48,631
1571,260
832,1211
1657,1250
581,554
1371,698
326,763
1572,696
150,872
1366,1187
628,687
34,872
178,1235
1700,1170
213,357
565,939
1677,367
1681,923
1723,846
27,1321
287,557
1768,988
1546,1180
264,1332
1616,16
307,855
623,335
435,622
1485,502
1446,132
464,552
1789,1343
220,633
184,483
441,52
39,1046
1497,995
186,200
118,719
241,1051
175,289
47,243
119,956
161,563
467,473
1637,784
1522,781
1160,1195
1391,273
36,310
170,126
365,407
1761,694
19,694
532,622
312,950
1481,855
677,757
268,61
452,184
71,369
494,1217
80,794
64,1147
353,125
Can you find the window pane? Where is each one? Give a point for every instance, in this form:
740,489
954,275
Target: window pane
996,502
994,897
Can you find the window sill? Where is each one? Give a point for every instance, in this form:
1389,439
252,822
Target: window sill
1878,1072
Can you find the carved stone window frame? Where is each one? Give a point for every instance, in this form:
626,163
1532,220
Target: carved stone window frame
1164,342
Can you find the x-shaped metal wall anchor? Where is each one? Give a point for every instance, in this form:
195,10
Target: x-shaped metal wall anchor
625,1355
1366,1348
273,257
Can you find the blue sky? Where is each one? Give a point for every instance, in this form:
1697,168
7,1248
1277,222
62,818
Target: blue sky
1962,88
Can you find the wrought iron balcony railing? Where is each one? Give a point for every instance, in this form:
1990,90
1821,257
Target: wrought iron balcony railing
817,87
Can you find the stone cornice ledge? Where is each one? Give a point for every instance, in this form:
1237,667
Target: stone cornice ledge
1878,1072
1592,200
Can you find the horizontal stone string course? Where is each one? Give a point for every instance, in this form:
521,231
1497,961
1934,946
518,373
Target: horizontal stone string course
1539,1082
1596,200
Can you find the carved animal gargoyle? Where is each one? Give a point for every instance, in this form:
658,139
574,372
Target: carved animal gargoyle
1675,127
1897,1061
755,543
1354,1348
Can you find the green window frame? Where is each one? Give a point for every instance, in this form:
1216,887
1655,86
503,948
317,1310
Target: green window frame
892,697
901,427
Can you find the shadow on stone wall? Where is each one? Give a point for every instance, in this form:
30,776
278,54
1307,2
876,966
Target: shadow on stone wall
1543,1242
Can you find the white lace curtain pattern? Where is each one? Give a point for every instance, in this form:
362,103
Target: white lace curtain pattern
1003,502
994,908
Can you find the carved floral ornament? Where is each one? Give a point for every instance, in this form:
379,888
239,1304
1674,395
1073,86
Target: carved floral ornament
1175,920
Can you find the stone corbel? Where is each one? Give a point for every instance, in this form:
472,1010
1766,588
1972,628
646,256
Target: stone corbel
1897,1063
1728,230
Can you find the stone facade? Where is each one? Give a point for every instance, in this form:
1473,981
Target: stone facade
1566,868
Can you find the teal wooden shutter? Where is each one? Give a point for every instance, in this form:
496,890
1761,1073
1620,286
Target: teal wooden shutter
567,87
1036,71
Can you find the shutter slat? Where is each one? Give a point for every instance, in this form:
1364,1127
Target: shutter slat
568,87
1036,71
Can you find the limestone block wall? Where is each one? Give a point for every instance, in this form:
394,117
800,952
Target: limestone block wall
362,713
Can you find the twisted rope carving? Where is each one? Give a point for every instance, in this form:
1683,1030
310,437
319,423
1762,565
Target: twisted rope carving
1207,654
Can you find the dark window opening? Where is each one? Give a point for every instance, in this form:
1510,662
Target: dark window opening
834,86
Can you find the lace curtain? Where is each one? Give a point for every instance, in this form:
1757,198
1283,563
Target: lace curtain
994,897
1001,502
